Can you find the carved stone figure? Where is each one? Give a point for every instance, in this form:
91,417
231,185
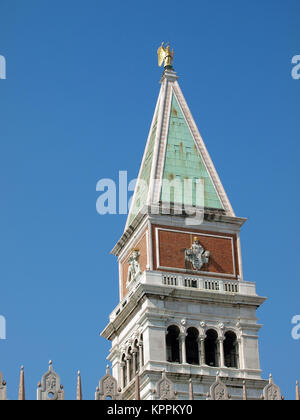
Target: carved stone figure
134,269
50,387
108,388
196,255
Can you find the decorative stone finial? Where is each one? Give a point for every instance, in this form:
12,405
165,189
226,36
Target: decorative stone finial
271,391
50,387
218,390
108,388
165,388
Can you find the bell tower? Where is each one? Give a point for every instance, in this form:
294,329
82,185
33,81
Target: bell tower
185,307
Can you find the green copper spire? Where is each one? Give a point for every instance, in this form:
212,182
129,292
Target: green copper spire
184,162
176,155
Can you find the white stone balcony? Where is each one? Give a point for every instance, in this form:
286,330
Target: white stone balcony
211,284
186,282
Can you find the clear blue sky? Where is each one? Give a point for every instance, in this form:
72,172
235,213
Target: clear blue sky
82,82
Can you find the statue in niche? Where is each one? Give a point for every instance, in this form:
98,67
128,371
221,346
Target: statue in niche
196,255
134,269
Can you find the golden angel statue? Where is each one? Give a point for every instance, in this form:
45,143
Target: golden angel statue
165,55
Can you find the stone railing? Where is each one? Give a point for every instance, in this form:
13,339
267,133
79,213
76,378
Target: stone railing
195,282
189,282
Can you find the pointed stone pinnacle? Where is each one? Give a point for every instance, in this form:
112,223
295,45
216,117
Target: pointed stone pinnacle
191,390
137,395
245,396
79,387
21,395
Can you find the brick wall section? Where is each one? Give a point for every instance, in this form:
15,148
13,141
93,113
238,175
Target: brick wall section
141,244
172,245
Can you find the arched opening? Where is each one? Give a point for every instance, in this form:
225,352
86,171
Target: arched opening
231,350
211,348
192,346
172,341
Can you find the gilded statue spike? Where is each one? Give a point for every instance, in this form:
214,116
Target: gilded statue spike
165,55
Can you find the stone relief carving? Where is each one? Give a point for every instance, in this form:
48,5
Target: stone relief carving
272,391
108,388
196,255
134,269
218,391
50,387
165,389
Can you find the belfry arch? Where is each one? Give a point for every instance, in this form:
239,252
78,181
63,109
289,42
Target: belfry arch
211,348
192,346
172,344
231,353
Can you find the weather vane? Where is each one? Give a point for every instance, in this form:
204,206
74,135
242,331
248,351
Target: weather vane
165,55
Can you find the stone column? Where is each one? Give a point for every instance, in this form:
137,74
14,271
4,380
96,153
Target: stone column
128,358
182,347
221,350
241,364
122,367
201,344
134,355
237,353
141,355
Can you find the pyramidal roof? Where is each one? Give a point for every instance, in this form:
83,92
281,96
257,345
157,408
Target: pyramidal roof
175,152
